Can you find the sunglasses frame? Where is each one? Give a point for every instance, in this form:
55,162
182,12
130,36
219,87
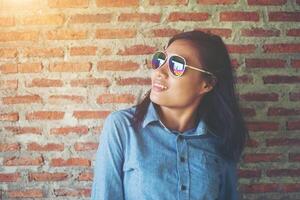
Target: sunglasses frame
168,56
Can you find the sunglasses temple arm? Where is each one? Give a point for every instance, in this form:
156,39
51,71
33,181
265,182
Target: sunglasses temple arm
199,70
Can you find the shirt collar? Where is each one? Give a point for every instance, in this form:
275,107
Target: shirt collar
152,115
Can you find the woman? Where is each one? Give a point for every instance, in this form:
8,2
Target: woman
184,139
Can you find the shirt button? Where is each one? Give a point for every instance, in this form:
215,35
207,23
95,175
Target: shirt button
180,137
183,188
182,159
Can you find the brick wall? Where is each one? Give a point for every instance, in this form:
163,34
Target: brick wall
66,64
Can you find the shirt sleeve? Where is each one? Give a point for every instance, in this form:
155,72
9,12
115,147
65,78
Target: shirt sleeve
108,171
229,182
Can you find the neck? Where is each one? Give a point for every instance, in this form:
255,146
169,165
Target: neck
178,119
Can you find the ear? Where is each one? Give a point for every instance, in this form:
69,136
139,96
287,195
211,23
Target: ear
206,87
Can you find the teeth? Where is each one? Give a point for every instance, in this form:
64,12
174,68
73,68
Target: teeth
161,86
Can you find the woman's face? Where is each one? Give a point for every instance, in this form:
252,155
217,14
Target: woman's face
179,92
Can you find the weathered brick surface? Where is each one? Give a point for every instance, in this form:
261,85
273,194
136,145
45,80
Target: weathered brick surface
66,64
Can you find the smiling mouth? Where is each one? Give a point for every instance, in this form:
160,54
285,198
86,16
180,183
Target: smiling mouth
158,87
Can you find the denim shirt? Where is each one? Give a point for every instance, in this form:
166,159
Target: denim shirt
157,163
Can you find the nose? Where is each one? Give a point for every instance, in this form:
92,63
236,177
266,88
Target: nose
162,71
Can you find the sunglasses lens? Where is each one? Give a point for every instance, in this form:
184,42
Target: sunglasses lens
177,65
158,60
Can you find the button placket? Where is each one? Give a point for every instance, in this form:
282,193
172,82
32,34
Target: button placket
183,168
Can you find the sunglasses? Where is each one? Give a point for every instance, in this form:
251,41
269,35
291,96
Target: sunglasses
177,64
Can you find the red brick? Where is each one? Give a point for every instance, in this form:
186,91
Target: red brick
284,16
54,19
249,112
8,52
223,32
270,187
45,115
87,146
139,17
280,79
107,65
7,21
59,162
9,147
19,36
85,176
43,52
134,81
8,68
30,67
235,63
294,96
74,192
248,173
239,16
187,16
294,157
9,117
89,18
70,67
295,63
283,172
90,82
47,147
262,157
280,111
254,96
115,33
252,143
168,2
259,188
216,2
81,130
9,177
68,3
264,63
66,34
29,193
283,142
26,99
281,48
266,2
23,161
90,114
244,79
8,84
17,6
263,126
62,99
83,51
137,50
24,130
115,98
241,48
293,125
164,32
117,3
292,187
260,32
46,176
43,82
293,32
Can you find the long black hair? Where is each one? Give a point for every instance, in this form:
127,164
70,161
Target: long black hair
219,106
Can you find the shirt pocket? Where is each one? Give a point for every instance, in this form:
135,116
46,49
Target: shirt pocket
213,168
131,180
207,171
